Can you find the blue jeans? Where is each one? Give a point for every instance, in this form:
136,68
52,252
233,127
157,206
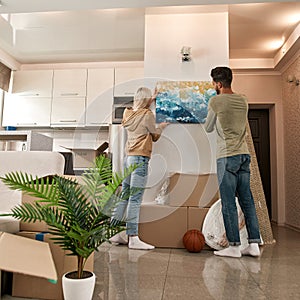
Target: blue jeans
234,180
129,210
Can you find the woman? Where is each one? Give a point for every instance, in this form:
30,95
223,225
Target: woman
141,129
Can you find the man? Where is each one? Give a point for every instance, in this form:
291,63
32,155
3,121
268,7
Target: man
227,113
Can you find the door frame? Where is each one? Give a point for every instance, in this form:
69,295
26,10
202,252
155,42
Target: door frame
264,166
277,208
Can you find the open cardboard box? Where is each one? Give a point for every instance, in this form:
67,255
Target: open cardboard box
26,256
34,263
84,157
40,288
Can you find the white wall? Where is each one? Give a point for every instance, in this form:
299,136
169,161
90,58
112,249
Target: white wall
184,148
206,33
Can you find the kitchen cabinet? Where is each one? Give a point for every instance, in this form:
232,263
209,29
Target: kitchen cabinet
69,83
99,96
69,97
26,111
68,111
128,80
29,103
32,83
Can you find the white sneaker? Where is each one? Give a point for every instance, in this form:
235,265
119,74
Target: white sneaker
136,243
120,238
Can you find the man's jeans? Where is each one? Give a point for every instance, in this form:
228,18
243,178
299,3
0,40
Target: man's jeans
129,210
234,180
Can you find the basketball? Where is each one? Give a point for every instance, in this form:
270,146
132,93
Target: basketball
193,240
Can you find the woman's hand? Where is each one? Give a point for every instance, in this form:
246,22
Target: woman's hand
154,95
163,125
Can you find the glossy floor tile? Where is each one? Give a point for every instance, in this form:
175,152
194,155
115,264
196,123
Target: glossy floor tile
170,274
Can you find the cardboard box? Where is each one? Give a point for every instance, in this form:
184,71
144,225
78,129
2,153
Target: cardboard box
38,226
196,216
163,226
84,157
40,288
193,190
25,256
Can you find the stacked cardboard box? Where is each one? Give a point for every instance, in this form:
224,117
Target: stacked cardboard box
190,197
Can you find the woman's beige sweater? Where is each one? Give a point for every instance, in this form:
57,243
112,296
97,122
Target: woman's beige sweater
141,131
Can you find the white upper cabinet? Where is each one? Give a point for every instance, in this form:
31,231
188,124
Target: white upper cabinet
33,83
69,83
99,96
68,112
69,97
26,111
29,103
128,80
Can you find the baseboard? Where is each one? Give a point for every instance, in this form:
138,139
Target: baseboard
292,227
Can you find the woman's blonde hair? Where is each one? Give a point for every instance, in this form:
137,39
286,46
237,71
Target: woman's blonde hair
142,98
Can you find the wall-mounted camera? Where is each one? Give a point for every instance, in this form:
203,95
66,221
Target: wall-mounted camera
186,53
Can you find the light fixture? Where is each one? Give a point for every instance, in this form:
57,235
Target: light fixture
1,4
186,53
293,79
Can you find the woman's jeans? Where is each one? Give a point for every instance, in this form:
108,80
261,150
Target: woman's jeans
234,180
129,209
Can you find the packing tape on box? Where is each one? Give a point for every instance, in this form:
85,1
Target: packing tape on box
40,236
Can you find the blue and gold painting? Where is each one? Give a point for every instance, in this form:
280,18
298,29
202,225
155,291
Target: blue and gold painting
183,101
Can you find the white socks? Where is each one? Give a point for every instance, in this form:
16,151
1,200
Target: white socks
136,243
231,251
252,250
234,251
120,238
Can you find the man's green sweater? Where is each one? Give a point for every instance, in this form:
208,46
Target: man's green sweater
227,113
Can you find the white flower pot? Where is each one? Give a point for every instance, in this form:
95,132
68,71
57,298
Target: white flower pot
78,289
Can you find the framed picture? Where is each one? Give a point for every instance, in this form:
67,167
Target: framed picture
183,101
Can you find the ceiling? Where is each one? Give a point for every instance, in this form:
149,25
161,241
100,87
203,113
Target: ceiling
93,30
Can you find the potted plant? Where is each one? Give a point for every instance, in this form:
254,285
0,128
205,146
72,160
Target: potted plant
78,214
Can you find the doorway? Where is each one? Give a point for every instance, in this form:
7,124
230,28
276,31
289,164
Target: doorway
259,126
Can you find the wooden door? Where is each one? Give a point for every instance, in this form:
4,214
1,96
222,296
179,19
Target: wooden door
259,125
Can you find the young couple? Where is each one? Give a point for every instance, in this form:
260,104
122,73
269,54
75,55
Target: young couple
227,114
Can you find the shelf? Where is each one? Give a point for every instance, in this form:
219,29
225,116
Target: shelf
34,141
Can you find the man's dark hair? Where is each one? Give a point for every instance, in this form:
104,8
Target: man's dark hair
223,75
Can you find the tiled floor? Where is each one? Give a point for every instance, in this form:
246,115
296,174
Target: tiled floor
176,274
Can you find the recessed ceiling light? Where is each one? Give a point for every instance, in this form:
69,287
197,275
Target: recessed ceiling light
275,44
294,18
